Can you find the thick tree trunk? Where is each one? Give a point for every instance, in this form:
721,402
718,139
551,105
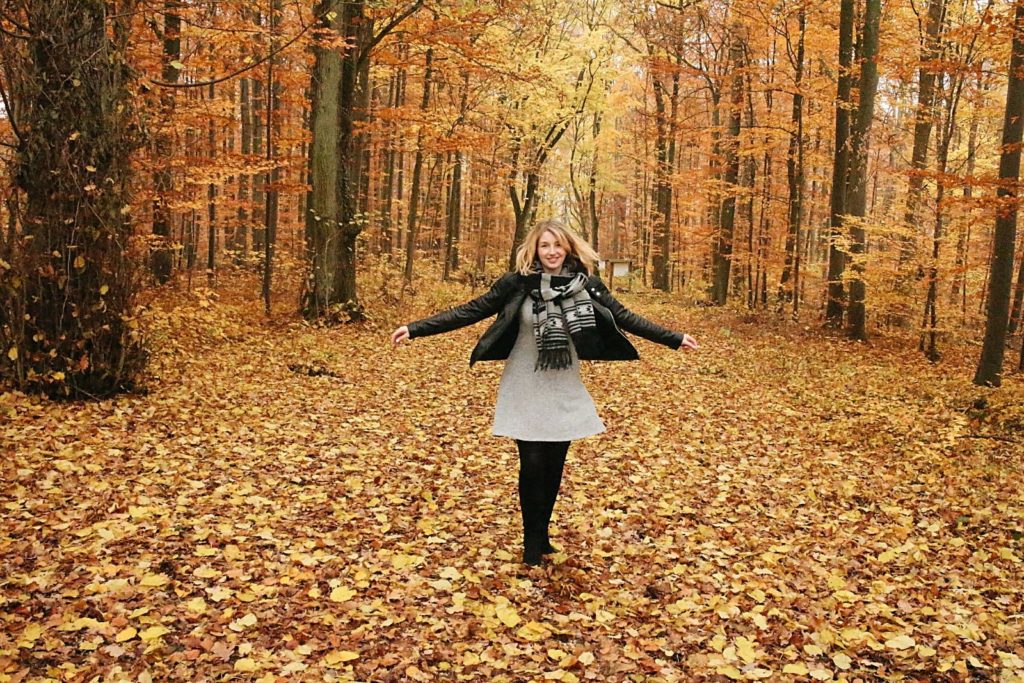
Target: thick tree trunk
856,326
990,365
844,100
67,297
322,201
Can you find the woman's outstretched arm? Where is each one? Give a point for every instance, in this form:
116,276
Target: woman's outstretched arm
637,324
480,308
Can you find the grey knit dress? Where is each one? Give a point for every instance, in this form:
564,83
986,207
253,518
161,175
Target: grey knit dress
547,405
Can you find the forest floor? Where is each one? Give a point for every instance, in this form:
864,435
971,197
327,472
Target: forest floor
289,502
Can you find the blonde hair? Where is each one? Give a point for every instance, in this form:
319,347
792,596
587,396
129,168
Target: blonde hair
574,245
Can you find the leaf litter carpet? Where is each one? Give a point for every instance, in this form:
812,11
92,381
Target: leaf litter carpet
293,503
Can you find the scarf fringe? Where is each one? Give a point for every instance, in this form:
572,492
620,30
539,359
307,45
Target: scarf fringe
553,359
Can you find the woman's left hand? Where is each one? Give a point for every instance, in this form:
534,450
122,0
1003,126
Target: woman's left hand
689,343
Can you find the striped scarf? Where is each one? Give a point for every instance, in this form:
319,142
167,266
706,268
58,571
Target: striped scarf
561,308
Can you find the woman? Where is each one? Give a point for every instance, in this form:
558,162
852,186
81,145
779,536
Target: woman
552,313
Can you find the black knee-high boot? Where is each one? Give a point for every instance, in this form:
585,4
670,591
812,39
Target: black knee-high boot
553,466
532,499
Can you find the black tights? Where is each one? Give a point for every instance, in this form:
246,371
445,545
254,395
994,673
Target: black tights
540,475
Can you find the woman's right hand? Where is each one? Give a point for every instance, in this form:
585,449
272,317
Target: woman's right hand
400,335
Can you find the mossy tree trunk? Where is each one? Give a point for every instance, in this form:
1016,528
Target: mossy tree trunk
67,292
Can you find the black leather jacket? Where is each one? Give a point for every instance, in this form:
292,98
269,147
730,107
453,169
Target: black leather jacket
506,297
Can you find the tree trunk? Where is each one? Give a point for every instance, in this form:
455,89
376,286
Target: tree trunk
595,240
271,176
963,244
923,117
163,180
662,199
67,298
242,238
417,171
789,283
387,185
454,222
322,200
841,162
990,365
730,144
858,177
211,204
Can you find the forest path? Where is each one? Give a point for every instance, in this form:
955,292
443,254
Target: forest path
775,505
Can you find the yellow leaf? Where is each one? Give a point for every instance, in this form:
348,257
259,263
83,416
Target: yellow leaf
401,561
797,668
557,655
220,593
336,657
125,634
153,632
79,262
901,642
821,674
887,556
206,551
760,621
813,650
206,572
154,580
13,353
246,665
508,616
842,661
533,631
745,649
925,651
342,594
450,573
197,605
243,623
730,671
470,659
586,658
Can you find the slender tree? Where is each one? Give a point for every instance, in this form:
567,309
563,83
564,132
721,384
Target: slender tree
841,161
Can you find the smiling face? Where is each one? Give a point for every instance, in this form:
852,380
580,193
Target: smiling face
550,252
